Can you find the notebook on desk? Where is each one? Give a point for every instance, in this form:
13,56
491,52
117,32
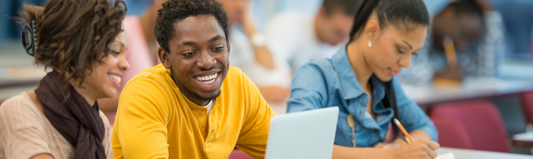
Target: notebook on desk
303,135
448,155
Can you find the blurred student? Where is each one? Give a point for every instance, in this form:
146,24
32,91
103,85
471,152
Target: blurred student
84,43
360,80
249,52
298,38
142,53
193,105
477,33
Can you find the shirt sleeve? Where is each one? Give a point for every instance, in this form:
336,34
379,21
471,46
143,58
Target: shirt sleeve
254,133
490,51
308,89
281,40
140,125
21,129
243,56
411,115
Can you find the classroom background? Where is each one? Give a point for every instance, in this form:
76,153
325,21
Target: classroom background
510,93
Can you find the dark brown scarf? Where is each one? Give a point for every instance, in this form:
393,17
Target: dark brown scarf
74,118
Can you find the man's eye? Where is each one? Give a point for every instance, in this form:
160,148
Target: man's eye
188,54
218,49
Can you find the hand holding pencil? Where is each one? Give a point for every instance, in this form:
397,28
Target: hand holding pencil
397,122
421,148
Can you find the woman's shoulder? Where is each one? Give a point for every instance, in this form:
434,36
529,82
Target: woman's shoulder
320,66
21,103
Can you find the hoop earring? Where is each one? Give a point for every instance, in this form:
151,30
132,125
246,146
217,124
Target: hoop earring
369,43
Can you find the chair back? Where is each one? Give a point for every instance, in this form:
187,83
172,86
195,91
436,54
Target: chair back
482,120
452,133
527,105
239,154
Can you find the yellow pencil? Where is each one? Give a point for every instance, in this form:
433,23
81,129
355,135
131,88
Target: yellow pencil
403,130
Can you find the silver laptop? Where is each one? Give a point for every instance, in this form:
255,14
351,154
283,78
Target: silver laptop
303,135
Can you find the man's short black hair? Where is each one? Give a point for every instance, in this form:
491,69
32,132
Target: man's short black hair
348,7
176,10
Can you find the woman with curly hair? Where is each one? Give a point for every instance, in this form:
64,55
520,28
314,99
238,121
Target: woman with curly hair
82,42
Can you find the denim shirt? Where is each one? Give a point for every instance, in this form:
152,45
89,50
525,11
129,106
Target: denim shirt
332,82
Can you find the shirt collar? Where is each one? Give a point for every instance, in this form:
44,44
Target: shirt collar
349,85
348,81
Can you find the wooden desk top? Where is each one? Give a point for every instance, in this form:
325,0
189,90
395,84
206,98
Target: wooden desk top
475,154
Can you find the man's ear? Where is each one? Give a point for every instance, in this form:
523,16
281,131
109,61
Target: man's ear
229,48
164,57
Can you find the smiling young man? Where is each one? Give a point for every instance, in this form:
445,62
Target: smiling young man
193,105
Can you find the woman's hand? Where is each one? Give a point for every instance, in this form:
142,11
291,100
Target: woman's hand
419,149
391,145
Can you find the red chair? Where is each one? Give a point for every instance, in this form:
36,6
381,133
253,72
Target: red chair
111,117
482,120
527,105
239,154
452,133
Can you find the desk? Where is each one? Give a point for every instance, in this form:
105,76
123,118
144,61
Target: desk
514,77
523,140
471,89
475,154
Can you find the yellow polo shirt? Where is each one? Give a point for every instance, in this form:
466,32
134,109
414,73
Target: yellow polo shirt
155,120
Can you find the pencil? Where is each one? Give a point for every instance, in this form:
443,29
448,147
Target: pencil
403,130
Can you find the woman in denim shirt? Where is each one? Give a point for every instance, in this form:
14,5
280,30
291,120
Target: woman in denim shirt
359,79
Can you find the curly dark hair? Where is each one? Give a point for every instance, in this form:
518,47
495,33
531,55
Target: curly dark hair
176,10
73,34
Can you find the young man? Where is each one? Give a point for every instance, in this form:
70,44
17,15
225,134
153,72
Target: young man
478,36
298,38
193,105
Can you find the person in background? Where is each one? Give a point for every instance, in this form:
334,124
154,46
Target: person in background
298,38
477,33
250,53
359,79
192,105
83,43
142,52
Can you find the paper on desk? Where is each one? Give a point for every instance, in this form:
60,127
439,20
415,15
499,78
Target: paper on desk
448,155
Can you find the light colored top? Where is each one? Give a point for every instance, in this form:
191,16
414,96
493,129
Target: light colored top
333,83
242,55
156,120
137,55
291,36
25,132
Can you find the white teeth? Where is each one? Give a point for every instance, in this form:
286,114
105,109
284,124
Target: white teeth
209,79
115,78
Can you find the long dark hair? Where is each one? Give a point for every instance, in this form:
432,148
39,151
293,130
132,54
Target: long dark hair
396,13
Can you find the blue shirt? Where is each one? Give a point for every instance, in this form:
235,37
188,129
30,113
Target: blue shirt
332,83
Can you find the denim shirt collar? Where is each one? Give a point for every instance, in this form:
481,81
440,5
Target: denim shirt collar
350,86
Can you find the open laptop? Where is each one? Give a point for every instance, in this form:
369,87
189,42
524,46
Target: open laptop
303,135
